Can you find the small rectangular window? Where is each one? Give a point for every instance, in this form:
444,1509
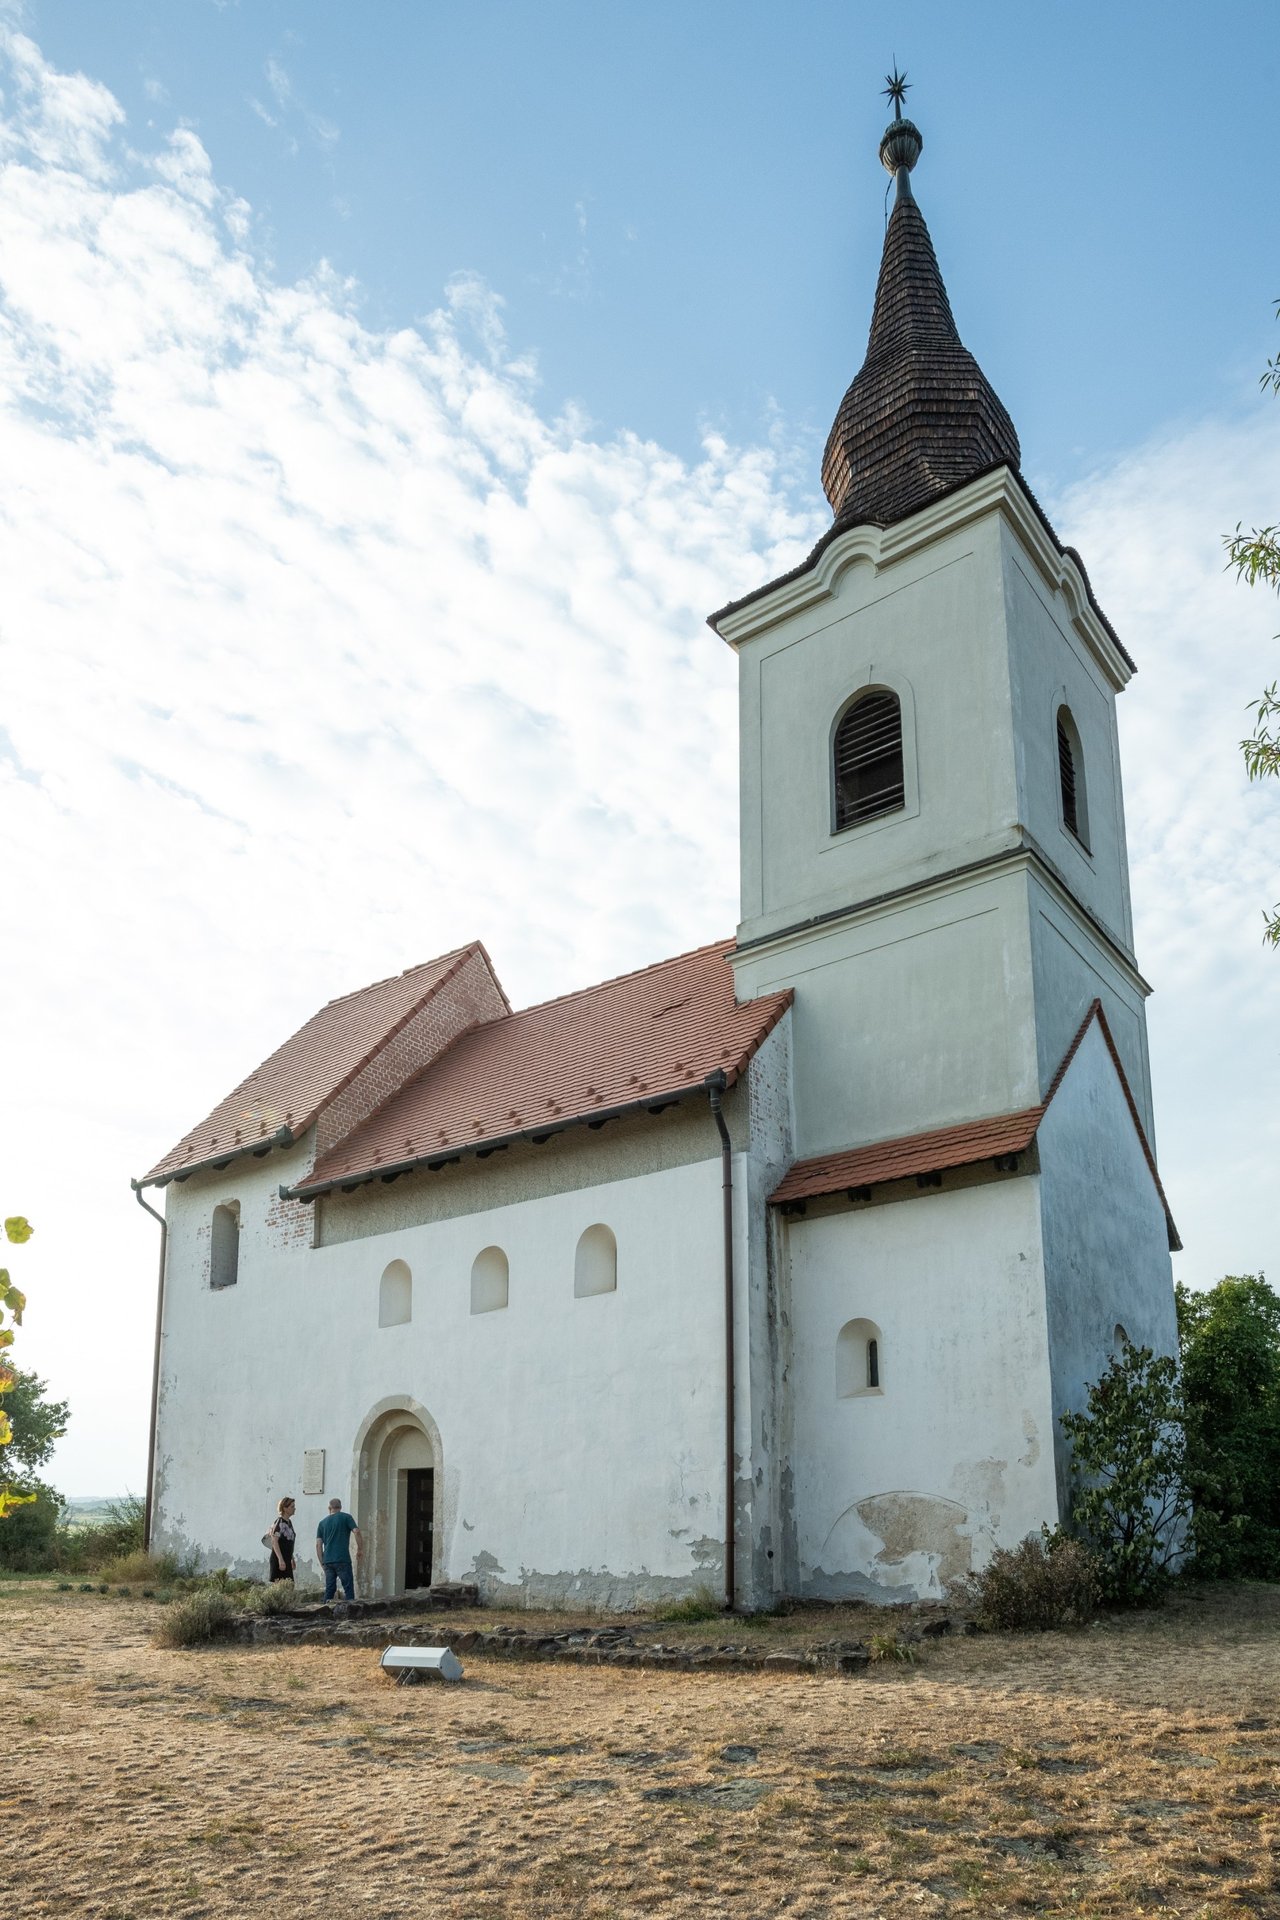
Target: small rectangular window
224,1245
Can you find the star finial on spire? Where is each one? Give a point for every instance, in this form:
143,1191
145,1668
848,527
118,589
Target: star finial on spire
896,90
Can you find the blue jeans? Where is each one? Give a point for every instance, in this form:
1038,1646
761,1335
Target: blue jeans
335,1570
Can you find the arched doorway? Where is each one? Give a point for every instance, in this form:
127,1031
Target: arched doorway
399,1484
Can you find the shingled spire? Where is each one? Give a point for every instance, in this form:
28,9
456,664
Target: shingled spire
921,417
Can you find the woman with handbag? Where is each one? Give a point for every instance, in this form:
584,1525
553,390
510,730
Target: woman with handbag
281,1539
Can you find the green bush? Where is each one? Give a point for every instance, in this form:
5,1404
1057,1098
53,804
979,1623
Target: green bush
701,1604
280,1597
1048,1580
202,1616
29,1533
1130,1503
132,1568
1230,1338
83,1549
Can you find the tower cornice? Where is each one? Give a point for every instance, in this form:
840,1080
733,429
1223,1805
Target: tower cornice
1002,491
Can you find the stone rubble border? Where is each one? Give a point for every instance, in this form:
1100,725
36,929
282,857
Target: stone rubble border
376,1623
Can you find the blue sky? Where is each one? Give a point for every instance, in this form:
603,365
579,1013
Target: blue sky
680,204
386,396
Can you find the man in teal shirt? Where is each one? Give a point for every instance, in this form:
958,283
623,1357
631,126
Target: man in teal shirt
333,1546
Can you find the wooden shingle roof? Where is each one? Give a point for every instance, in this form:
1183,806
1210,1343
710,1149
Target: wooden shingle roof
921,418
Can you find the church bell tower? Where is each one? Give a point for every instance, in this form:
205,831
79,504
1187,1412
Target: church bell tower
933,860
932,830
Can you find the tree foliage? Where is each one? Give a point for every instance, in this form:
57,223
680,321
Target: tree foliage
29,1537
1255,555
17,1231
1230,1338
1130,1504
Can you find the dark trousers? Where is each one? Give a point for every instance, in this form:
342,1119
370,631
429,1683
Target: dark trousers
335,1570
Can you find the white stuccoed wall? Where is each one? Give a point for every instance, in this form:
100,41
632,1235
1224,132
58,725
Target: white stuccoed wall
1105,1233
582,1440
940,962
898,1493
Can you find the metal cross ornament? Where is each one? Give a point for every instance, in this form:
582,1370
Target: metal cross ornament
896,90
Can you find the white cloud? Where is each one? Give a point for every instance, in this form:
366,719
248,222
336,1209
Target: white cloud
323,649
1204,845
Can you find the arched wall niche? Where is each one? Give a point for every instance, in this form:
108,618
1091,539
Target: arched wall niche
595,1264
859,1360
395,1295
490,1281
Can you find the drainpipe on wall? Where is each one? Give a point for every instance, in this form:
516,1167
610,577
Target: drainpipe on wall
155,1363
715,1087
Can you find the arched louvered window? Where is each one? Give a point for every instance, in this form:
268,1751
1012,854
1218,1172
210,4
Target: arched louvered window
1075,814
867,753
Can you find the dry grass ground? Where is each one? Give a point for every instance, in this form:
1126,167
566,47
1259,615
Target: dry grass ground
1127,1770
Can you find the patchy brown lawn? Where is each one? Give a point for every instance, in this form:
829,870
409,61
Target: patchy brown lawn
1127,1770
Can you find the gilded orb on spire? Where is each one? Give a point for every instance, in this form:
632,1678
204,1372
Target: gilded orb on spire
902,142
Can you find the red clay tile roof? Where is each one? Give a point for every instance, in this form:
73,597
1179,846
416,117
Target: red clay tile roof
958,1146
288,1090
634,1041
914,1153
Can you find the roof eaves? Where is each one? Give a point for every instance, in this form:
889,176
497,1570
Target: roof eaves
257,1149
594,1117
946,1159
653,1101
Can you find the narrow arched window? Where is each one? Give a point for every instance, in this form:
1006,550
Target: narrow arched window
595,1265
490,1281
1119,1338
857,1359
867,759
395,1295
1071,785
224,1245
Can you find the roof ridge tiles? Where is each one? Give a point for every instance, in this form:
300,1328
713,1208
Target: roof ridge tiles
421,966
636,973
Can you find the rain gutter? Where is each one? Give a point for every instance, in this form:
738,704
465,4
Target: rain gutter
716,1084
148,1508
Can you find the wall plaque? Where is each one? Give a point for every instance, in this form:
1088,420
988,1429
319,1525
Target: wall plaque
313,1470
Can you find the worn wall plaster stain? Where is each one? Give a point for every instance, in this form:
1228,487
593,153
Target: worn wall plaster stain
905,1545
1032,1435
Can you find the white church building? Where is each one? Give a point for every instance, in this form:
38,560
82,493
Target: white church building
771,1267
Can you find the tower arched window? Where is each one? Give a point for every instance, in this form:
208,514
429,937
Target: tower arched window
1071,782
224,1245
866,754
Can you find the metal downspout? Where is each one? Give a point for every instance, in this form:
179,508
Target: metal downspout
715,1087
155,1364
